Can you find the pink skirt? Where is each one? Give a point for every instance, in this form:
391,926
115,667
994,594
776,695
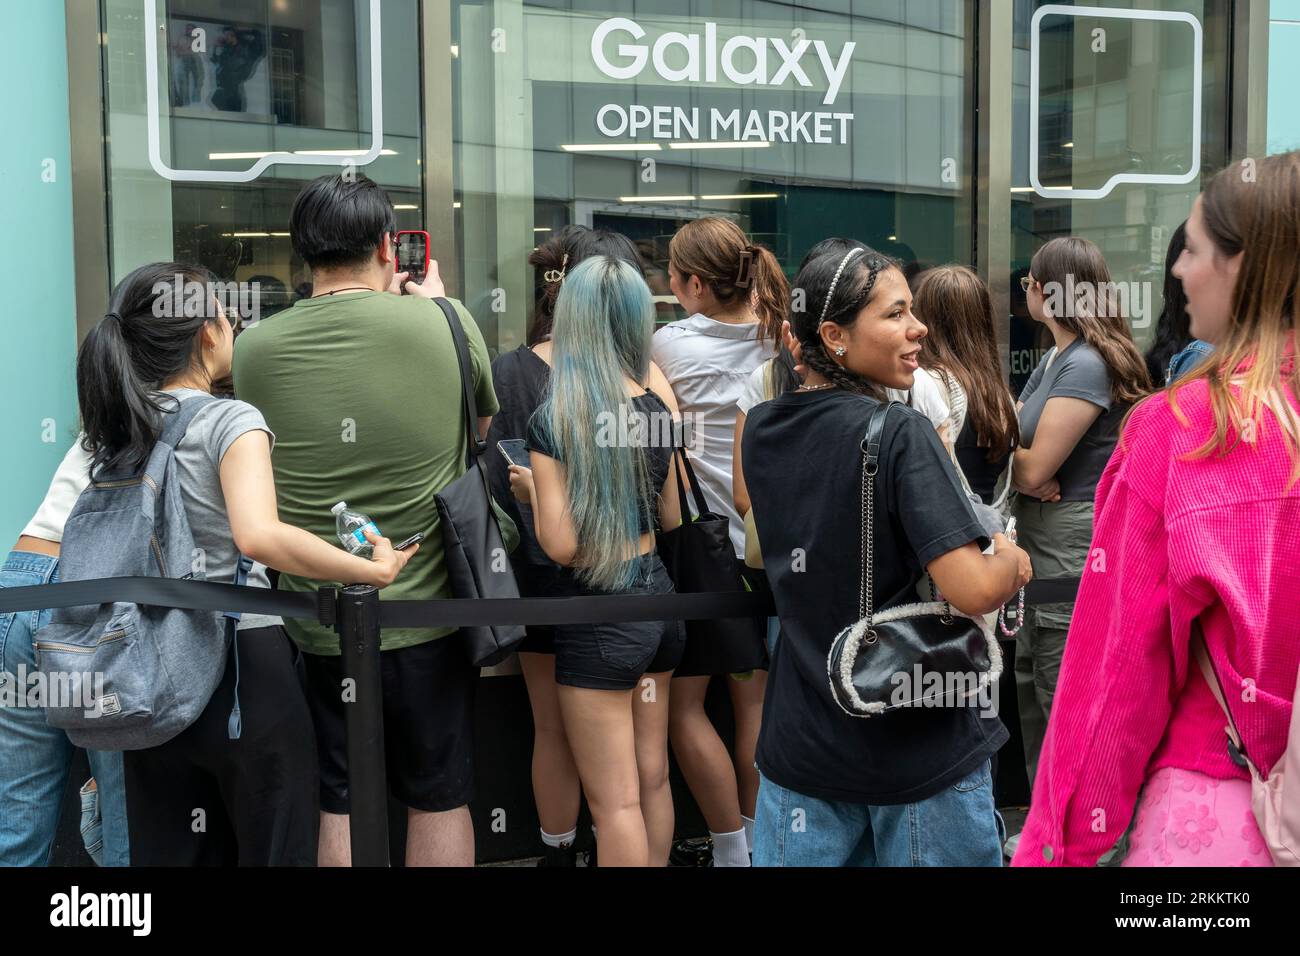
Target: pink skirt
1185,818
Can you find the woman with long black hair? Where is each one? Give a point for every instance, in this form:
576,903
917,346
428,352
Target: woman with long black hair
912,788
1175,350
149,356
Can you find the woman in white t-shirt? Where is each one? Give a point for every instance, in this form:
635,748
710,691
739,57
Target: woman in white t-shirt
736,297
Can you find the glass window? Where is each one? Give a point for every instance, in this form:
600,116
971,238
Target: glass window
1130,123
1283,76
252,98
798,121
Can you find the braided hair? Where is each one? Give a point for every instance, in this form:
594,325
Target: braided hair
835,288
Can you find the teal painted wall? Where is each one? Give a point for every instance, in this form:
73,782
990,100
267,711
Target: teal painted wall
38,326
1284,76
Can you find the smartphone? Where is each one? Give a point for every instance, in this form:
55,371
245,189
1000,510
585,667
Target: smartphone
1011,530
515,451
410,542
413,254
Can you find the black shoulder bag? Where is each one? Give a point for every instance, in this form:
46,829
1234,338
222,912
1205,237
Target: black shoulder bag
699,557
874,664
477,563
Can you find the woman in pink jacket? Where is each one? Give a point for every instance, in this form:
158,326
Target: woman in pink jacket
1198,518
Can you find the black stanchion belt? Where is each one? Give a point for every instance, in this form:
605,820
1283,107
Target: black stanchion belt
456,612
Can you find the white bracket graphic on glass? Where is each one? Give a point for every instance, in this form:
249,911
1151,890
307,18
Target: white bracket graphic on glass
303,158
1068,192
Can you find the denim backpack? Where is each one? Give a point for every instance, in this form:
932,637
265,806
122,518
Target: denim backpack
127,676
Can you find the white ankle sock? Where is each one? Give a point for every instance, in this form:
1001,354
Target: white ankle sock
749,831
563,839
730,849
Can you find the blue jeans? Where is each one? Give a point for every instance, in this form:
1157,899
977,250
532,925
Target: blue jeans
35,758
957,827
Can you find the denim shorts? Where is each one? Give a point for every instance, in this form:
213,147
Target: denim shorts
614,656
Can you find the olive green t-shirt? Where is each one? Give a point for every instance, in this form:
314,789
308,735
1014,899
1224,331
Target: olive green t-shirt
362,391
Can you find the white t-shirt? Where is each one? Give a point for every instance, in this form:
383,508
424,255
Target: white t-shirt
928,397
708,364
754,391
68,484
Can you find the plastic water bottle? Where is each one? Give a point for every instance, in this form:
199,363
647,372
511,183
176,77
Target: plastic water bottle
351,527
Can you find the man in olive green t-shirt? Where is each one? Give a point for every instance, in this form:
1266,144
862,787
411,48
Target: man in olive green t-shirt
361,387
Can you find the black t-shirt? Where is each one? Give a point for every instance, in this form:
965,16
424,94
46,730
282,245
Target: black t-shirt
973,457
803,469
520,379
657,437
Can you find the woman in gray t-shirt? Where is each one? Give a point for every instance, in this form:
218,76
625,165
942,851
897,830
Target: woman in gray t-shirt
1070,413
248,761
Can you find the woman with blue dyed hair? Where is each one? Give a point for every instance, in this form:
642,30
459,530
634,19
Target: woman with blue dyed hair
601,451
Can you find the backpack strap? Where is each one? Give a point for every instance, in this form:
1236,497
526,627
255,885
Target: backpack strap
175,423
235,723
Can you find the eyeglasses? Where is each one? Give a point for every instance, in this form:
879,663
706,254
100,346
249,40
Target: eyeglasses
1028,282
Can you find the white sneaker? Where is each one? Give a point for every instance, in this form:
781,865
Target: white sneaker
1009,848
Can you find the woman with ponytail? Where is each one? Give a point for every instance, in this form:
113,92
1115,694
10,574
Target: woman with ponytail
1196,590
912,788
149,356
598,488
521,379
1069,411
736,297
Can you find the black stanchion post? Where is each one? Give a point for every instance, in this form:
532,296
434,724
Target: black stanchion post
364,717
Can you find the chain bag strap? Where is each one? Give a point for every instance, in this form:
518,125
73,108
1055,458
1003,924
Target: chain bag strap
870,663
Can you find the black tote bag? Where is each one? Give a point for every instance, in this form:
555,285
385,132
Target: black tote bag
471,536
699,558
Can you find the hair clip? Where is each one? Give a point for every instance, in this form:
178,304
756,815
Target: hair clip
557,275
745,275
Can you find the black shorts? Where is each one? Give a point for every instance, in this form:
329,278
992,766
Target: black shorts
614,656
537,581
428,694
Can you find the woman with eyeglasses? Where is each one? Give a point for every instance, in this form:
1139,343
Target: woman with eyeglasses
1198,515
1070,412
145,360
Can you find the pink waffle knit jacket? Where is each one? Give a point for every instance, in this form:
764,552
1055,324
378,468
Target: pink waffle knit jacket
1173,538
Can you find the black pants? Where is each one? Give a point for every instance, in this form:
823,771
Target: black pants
202,799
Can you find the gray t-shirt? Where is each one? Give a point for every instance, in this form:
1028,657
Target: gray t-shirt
198,464
1078,372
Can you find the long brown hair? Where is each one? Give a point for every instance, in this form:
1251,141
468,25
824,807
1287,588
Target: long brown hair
1094,314
733,268
1258,217
954,304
